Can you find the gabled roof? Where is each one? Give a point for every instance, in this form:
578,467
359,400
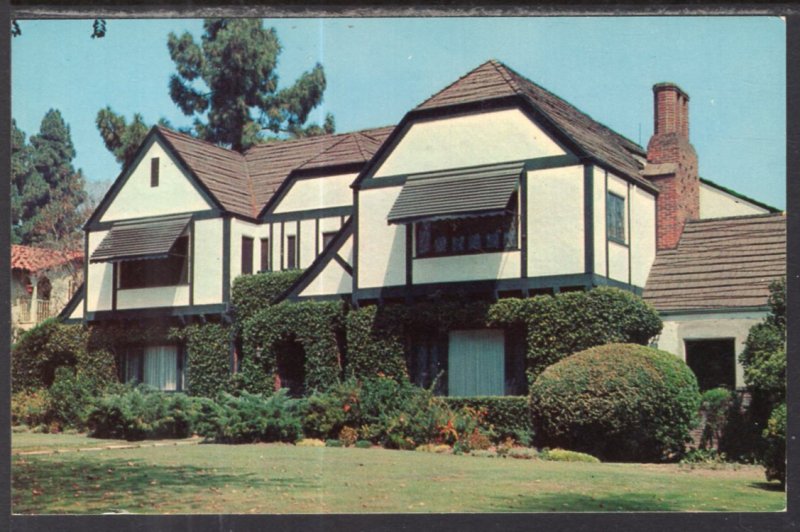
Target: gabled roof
245,183
720,263
494,80
34,259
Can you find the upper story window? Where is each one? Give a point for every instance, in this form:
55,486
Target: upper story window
265,255
291,252
247,255
463,236
149,273
154,172
615,217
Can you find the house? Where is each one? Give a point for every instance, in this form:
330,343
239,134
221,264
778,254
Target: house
492,187
42,281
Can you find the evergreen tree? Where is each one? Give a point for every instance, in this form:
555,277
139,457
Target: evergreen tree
231,78
120,138
29,191
58,219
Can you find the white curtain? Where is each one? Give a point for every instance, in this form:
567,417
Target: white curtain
161,367
476,363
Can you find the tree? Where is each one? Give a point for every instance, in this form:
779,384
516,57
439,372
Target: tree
231,78
54,216
29,192
120,138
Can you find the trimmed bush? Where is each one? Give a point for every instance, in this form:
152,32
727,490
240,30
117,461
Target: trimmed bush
251,293
619,402
250,418
142,413
503,417
42,350
310,442
775,453
562,455
208,350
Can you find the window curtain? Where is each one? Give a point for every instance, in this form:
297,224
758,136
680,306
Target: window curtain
476,363
161,367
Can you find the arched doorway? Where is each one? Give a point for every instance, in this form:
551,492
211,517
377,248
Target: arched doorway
290,361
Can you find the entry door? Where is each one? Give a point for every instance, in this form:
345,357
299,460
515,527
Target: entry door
713,362
476,363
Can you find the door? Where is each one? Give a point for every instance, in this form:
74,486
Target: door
713,362
476,363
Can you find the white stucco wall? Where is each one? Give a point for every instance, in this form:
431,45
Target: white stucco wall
715,203
478,138
174,193
207,278
381,247
710,326
333,279
239,229
599,201
643,234
100,277
555,221
162,296
479,267
318,193
308,243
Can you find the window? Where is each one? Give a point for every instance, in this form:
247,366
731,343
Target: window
463,236
713,362
247,255
291,252
327,238
265,255
157,366
476,363
154,172
149,273
615,217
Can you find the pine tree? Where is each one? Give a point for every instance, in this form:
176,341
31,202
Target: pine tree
120,138
58,219
29,191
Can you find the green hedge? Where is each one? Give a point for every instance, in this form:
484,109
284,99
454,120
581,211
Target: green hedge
375,343
619,402
251,293
505,417
775,453
316,326
208,353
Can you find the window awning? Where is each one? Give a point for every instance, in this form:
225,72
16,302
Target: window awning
477,191
140,240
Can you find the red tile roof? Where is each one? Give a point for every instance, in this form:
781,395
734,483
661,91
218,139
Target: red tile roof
34,259
720,263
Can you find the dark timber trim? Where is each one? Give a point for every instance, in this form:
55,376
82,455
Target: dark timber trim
283,237
86,272
192,262
588,218
327,212
226,258
523,223
383,182
605,226
77,298
160,312
409,230
114,284
316,237
297,246
271,247
354,220
343,263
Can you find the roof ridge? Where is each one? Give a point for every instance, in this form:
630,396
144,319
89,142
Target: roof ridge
250,190
189,137
432,96
503,70
738,217
357,138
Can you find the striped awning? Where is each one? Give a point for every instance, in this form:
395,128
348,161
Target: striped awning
152,239
475,191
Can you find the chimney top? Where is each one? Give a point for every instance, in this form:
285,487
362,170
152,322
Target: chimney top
668,85
671,110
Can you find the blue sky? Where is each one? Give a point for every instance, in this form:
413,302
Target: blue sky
733,68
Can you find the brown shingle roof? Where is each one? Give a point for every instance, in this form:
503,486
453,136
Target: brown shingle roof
244,183
720,263
495,80
33,259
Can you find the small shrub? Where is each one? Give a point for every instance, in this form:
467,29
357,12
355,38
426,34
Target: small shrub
715,405
562,455
620,402
433,448
501,417
310,442
363,444
484,454
71,398
523,453
706,457
775,454
348,436
29,408
333,443
251,418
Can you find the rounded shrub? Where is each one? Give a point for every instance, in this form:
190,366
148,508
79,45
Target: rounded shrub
775,452
618,402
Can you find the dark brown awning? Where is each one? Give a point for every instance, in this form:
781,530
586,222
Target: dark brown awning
476,191
140,240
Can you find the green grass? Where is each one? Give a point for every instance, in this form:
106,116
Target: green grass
286,479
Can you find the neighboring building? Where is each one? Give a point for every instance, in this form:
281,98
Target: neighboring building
493,187
42,281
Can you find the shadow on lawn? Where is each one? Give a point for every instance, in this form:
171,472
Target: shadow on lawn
575,502
89,485
767,486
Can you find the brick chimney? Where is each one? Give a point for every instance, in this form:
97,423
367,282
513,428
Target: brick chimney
672,165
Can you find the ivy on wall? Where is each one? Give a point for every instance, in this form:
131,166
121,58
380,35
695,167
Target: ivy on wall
251,293
208,357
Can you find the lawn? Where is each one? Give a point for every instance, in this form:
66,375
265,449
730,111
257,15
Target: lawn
262,478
